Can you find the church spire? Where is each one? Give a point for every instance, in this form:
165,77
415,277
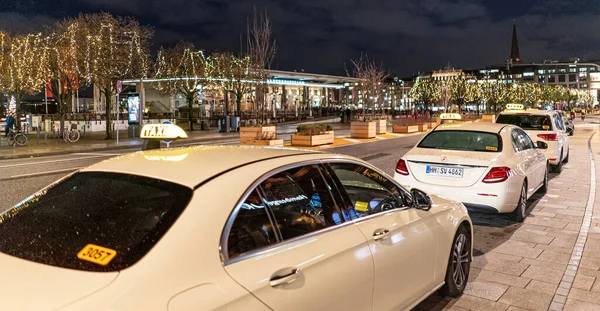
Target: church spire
515,57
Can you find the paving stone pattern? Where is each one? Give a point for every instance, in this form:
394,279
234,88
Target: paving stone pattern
552,260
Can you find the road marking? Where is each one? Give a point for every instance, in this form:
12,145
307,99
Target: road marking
46,172
562,292
55,161
98,153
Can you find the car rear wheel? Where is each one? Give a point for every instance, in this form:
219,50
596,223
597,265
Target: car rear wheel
544,187
521,211
558,167
459,264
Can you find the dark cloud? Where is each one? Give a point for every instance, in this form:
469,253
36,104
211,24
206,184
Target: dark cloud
321,35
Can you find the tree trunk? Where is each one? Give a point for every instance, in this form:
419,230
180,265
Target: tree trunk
190,102
18,110
107,94
238,104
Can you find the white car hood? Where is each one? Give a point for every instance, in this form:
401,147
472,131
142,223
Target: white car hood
27,285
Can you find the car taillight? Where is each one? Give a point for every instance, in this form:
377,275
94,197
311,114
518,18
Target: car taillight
551,137
401,167
497,174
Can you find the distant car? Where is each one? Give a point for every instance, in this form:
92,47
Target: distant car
568,123
231,228
544,125
488,167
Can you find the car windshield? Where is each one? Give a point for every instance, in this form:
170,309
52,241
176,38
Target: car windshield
93,221
462,140
527,121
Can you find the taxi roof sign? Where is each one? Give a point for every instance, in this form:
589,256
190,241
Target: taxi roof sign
154,133
515,107
450,116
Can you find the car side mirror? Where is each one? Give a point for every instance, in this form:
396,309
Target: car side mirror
569,130
420,199
541,145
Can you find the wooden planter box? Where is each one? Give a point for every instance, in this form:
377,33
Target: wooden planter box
312,140
405,129
363,129
381,126
257,133
488,118
263,142
423,127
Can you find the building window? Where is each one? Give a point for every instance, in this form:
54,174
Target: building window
572,78
582,76
528,79
551,79
563,70
542,79
573,86
541,72
584,86
583,69
562,78
552,71
572,69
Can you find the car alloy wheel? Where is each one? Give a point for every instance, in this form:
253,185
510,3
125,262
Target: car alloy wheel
459,264
460,261
521,211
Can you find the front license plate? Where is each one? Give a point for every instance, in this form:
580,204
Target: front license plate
444,171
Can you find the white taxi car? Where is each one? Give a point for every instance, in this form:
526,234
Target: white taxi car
544,125
488,167
231,228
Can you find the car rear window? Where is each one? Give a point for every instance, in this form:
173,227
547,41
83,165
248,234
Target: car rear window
527,121
462,140
93,221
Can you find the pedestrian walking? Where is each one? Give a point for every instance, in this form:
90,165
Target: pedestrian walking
10,122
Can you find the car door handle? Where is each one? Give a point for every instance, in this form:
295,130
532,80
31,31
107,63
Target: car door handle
380,234
285,279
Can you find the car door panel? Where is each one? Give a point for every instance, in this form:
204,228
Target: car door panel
405,258
335,273
403,240
317,261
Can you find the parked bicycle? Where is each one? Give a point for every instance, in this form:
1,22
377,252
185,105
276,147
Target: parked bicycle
72,135
19,137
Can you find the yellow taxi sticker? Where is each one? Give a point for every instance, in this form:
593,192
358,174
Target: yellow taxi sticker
162,131
97,254
490,148
546,127
361,206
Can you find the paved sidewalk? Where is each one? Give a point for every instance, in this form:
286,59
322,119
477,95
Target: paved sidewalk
541,265
96,142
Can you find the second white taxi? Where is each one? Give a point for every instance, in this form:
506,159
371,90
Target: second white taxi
545,125
488,167
231,228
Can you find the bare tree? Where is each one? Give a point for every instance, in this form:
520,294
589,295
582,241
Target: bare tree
187,72
66,51
235,75
262,48
118,48
372,77
22,69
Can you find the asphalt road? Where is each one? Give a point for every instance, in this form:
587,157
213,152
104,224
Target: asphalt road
19,178
22,177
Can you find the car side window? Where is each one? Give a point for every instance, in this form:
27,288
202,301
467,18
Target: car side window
369,192
526,140
558,122
252,228
516,141
300,201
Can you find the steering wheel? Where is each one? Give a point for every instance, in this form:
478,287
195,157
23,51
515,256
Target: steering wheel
386,204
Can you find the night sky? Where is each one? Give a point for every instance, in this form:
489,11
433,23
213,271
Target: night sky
320,35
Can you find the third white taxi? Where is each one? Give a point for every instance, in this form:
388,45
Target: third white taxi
544,125
230,228
488,167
